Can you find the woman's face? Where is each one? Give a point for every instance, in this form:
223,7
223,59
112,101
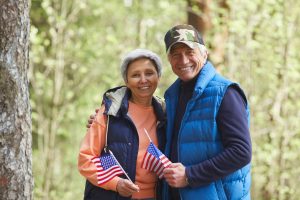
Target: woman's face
142,80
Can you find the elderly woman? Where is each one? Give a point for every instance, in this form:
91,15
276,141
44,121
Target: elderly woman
120,123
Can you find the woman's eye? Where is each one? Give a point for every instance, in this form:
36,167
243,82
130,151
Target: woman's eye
149,73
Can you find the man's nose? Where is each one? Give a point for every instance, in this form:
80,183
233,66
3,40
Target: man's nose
184,59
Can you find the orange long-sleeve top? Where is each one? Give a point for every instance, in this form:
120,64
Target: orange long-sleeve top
94,141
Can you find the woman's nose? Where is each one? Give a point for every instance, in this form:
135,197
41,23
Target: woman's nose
143,78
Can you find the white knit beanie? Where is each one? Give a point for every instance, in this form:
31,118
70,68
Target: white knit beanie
140,53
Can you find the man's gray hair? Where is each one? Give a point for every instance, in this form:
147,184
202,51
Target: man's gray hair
202,48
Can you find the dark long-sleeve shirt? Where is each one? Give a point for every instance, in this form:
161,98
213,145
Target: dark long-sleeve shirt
232,123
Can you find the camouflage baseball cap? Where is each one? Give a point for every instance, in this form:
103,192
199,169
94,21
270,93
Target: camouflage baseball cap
184,33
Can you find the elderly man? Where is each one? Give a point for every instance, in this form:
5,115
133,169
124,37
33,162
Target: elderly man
208,138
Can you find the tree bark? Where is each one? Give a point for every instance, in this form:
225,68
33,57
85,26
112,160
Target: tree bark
16,180
201,19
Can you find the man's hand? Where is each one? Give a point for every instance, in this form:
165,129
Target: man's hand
175,175
91,119
126,188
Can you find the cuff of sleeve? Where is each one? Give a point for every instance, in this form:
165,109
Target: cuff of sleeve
112,184
187,174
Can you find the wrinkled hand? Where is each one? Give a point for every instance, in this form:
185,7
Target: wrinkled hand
126,188
91,119
175,175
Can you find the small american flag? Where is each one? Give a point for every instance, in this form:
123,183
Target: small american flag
107,168
154,160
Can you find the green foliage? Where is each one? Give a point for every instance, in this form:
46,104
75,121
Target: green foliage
76,48
263,42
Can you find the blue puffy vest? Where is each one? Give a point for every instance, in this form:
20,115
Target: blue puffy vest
199,138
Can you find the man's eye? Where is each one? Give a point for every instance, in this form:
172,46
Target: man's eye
191,52
175,55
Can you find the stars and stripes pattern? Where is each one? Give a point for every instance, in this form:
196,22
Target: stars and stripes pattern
107,168
154,160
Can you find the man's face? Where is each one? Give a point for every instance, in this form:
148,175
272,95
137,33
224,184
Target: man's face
185,61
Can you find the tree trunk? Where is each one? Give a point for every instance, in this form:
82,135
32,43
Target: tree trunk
15,122
201,19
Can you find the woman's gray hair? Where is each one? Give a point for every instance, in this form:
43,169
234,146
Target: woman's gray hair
140,53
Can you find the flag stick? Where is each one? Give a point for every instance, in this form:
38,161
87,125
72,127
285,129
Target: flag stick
120,165
147,134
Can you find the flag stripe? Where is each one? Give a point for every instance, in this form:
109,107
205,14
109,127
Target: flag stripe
102,181
160,171
154,160
107,168
152,163
107,172
145,161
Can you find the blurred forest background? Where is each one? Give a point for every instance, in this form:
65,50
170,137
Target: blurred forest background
75,51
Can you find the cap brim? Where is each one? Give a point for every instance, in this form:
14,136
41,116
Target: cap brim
188,43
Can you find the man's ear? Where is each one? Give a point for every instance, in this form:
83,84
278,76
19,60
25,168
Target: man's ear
169,56
205,56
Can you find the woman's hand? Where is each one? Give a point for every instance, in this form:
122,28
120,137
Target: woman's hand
91,119
126,188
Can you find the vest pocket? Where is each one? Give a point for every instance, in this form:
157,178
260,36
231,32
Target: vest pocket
93,192
220,190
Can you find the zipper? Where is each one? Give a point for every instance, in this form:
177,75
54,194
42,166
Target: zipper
132,124
189,104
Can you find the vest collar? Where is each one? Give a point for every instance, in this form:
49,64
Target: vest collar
116,103
206,74
113,99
